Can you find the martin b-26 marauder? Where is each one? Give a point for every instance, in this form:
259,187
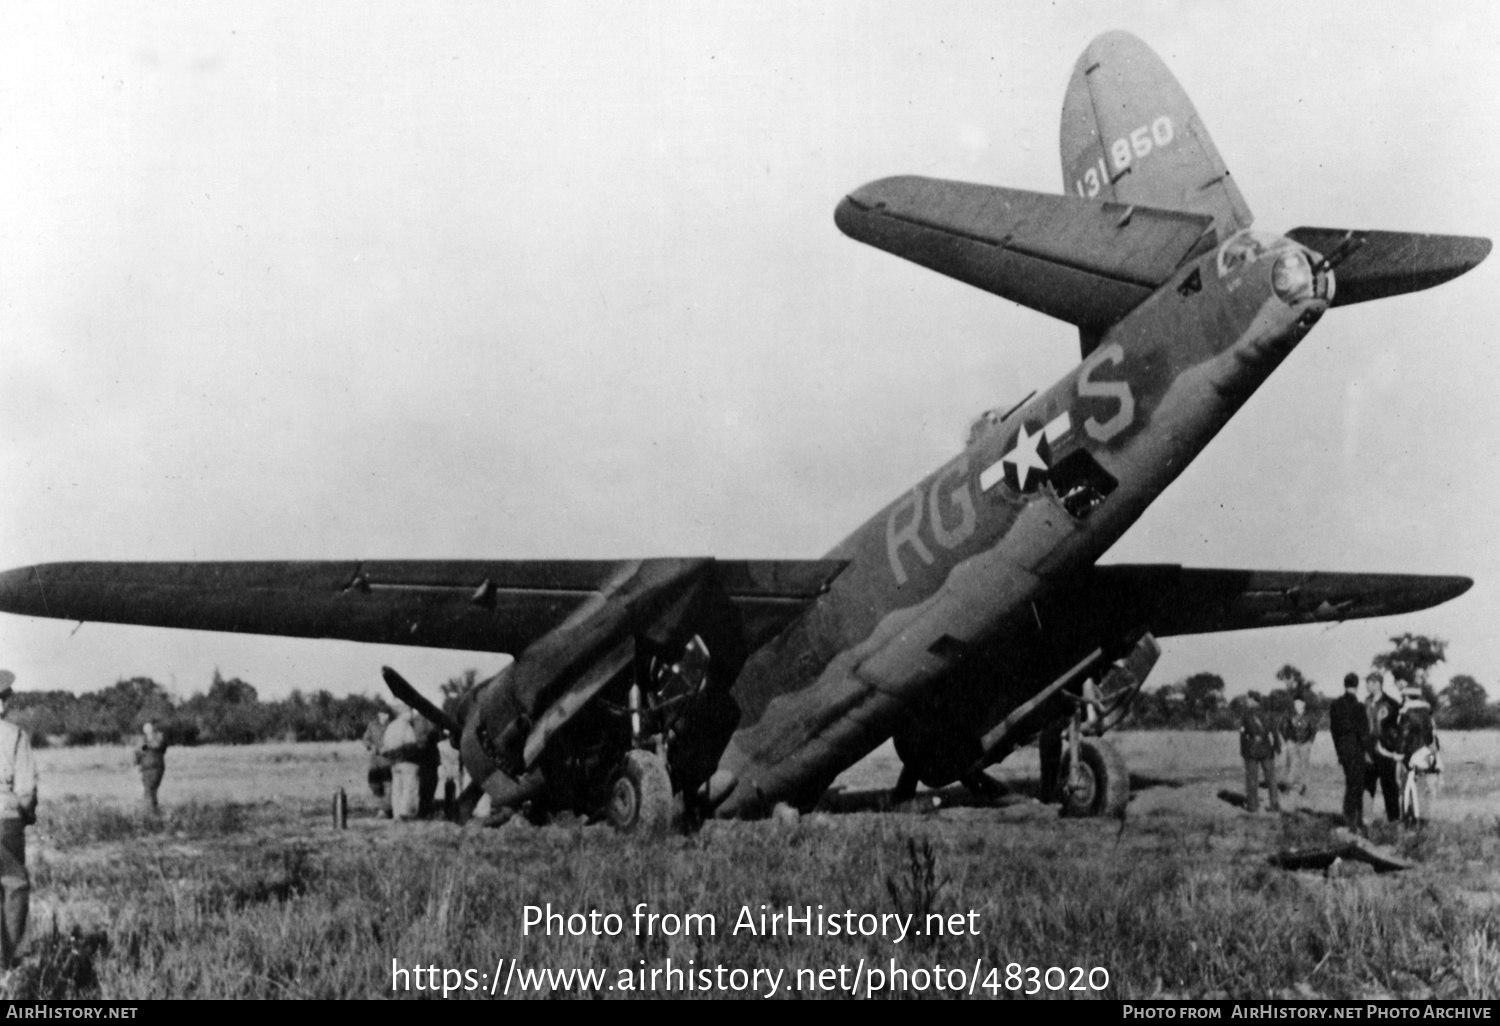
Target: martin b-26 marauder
967,617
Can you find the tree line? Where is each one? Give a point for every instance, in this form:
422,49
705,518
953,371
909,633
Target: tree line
1198,702
230,712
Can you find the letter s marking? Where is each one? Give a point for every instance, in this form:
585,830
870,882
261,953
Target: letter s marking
1117,390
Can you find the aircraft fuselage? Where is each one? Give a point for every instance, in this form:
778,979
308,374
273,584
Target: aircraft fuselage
957,563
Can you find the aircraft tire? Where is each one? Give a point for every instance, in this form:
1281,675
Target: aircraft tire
640,795
1106,787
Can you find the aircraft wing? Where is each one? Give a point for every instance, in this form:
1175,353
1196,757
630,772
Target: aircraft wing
1177,600
484,606
1085,262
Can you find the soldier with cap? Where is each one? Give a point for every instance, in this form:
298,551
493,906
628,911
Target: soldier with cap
151,757
1260,743
17,812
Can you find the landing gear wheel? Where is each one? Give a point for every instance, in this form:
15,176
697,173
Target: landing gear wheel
1102,783
640,795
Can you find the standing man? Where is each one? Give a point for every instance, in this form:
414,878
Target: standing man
1259,746
1420,759
1298,730
17,812
151,757
400,747
379,776
1385,742
429,762
1349,724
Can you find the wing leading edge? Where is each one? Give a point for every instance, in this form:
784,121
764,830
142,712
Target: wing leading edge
475,605
1177,600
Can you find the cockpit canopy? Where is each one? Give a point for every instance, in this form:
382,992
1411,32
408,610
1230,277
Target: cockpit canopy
1246,247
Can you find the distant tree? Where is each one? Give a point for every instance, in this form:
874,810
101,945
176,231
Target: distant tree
230,713
1294,686
45,715
1410,659
1463,704
1202,695
1157,707
231,692
352,714
131,703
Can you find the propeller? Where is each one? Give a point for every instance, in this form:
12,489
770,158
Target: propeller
404,692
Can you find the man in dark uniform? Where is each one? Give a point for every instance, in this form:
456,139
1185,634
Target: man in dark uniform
429,761
1260,743
1385,739
151,757
1350,727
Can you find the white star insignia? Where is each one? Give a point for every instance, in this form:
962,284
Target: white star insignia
1026,456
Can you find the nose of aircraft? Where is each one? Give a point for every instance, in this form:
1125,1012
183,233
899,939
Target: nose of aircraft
1292,277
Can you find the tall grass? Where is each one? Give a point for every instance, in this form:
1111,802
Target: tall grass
73,822
1169,908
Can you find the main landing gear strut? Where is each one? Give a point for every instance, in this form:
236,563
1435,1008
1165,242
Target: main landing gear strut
1094,780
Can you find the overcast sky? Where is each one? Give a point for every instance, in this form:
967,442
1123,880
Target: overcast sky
382,280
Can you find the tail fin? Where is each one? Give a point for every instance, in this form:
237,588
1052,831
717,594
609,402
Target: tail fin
1130,135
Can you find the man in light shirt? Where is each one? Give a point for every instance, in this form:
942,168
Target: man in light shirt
400,747
17,812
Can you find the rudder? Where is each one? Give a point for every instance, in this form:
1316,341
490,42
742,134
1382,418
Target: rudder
1130,134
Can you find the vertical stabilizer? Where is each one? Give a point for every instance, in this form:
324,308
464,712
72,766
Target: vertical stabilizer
1130,134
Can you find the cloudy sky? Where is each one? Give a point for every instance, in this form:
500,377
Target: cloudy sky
386,280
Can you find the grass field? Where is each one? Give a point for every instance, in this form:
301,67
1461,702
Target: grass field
244,889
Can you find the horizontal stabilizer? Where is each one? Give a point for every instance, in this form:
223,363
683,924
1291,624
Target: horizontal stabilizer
476,605
1176,600
1373,265
1087,263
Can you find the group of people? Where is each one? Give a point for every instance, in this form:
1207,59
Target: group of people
18,790
1384,742
1263,741
404,770
404,764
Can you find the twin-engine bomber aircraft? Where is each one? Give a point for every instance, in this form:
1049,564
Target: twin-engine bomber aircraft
964,619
